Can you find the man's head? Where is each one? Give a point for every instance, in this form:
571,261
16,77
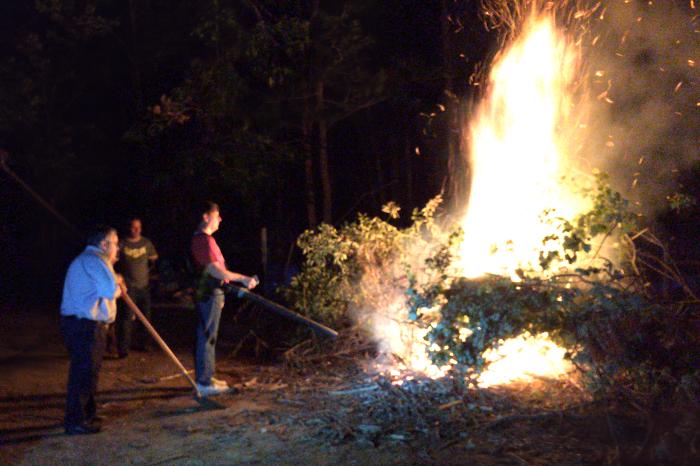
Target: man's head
135,229
210,217
105,238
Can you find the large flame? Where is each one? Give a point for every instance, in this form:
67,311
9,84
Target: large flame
518,152
538,115
520,168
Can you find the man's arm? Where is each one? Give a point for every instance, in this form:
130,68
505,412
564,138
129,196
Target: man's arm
217,271
152,253
106,285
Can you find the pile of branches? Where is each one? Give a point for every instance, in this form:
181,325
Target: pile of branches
605,289
631,324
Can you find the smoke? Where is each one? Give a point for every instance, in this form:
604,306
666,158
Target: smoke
383,305
640,113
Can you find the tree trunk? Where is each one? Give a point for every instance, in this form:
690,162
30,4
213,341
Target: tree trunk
324,169
307,130
136,74
408,161
325,172
309,169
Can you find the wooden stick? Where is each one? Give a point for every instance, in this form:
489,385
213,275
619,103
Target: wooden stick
132,306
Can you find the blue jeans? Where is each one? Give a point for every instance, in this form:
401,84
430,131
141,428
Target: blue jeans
209,314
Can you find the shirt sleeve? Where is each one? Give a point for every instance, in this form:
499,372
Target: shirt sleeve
105,284
151,249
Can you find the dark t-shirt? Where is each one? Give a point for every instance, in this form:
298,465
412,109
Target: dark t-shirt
133,261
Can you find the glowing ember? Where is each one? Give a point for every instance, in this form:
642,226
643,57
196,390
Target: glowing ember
523,358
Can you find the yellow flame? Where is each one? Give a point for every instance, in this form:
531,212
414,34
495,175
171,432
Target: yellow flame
517,152
520,167
523,358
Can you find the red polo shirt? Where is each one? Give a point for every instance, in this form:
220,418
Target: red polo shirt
205,251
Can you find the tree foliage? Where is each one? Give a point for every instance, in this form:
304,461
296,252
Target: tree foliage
358,269
46,79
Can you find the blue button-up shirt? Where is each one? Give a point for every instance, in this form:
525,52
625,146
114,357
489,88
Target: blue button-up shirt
90,290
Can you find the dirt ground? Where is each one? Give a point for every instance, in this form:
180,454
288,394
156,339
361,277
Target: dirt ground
330,411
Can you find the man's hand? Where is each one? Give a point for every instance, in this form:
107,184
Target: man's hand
248,282
252,282
120,283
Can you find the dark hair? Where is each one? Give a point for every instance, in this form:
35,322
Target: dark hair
97,233
208,207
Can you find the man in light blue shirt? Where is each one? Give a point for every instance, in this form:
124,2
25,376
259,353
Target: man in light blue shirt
88,305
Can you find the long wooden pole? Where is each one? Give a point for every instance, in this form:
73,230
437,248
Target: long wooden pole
3,156
132,306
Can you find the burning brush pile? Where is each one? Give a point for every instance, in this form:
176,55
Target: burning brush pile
555,260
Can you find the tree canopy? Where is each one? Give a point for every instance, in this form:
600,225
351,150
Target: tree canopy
286,113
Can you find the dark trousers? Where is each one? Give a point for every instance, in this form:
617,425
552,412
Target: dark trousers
132,333
86,343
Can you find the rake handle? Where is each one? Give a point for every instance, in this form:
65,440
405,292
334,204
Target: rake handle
134,308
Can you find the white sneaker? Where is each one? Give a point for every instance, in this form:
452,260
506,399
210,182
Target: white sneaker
206,390
219,383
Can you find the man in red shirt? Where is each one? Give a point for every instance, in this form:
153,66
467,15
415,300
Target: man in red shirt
209,299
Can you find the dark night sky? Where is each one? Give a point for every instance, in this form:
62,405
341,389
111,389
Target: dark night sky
74,115
74,119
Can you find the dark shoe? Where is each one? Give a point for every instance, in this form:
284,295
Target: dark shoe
123,355
82,429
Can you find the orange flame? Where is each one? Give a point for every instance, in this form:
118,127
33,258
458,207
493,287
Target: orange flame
520,167
521,164
518,153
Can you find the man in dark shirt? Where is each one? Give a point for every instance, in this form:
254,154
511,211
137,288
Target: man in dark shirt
136,258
